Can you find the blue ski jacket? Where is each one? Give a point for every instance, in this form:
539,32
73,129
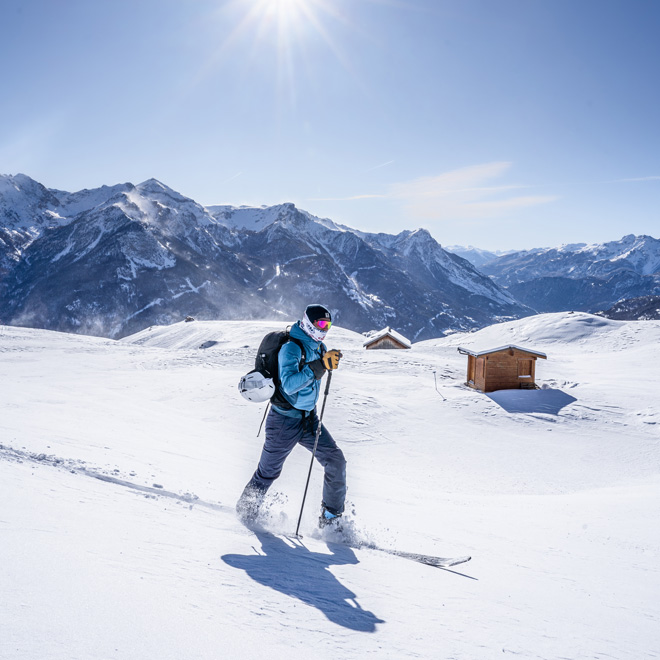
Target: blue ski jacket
299,386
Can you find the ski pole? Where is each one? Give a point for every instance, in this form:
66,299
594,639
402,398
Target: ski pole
436,387
316,442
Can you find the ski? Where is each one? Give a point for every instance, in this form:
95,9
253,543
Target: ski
429,560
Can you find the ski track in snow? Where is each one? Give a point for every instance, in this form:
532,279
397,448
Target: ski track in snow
120,463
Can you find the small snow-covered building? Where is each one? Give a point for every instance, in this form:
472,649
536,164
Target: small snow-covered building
504,368
387,338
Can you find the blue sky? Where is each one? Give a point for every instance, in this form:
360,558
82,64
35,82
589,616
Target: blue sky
497,123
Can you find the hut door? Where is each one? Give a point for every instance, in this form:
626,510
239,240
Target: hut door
480,381
471,364
525,369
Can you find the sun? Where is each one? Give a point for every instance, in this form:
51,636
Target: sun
286,6
283,21
287,35
288,14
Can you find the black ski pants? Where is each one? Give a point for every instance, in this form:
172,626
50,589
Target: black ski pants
283,433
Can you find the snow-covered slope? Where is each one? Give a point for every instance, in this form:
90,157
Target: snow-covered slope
566,328
120,463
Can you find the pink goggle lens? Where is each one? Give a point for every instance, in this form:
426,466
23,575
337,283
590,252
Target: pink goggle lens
323,324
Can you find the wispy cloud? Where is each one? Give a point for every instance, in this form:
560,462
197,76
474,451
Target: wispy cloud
377,167
352,198
231,178
465,193
641,178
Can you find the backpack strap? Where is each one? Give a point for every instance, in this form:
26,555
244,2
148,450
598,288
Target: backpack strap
300,345
278,398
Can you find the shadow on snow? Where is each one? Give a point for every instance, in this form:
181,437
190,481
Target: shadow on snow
296,571
548,402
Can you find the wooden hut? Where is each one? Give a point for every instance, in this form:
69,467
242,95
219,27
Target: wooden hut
387,338
504,368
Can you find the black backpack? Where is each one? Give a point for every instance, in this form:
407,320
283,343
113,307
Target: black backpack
266,362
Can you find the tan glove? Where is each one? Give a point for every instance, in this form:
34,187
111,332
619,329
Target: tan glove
331,359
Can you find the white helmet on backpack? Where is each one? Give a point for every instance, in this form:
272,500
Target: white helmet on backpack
256,387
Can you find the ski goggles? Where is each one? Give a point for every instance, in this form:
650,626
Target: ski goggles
323,324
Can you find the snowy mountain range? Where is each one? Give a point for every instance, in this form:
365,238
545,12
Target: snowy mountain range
579,276
117,259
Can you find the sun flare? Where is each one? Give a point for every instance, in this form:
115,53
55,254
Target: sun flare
286,5
289,14
291,36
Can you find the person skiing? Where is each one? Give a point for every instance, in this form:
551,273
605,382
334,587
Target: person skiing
293,420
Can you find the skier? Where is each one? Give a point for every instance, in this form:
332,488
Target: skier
293,420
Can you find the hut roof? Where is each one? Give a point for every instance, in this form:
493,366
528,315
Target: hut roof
385,332
467,351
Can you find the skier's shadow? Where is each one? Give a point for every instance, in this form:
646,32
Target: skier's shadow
296,571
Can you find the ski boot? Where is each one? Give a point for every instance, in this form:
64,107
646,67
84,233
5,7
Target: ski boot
329,520
249,504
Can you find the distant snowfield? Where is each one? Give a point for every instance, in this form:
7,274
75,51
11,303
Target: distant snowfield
120,463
